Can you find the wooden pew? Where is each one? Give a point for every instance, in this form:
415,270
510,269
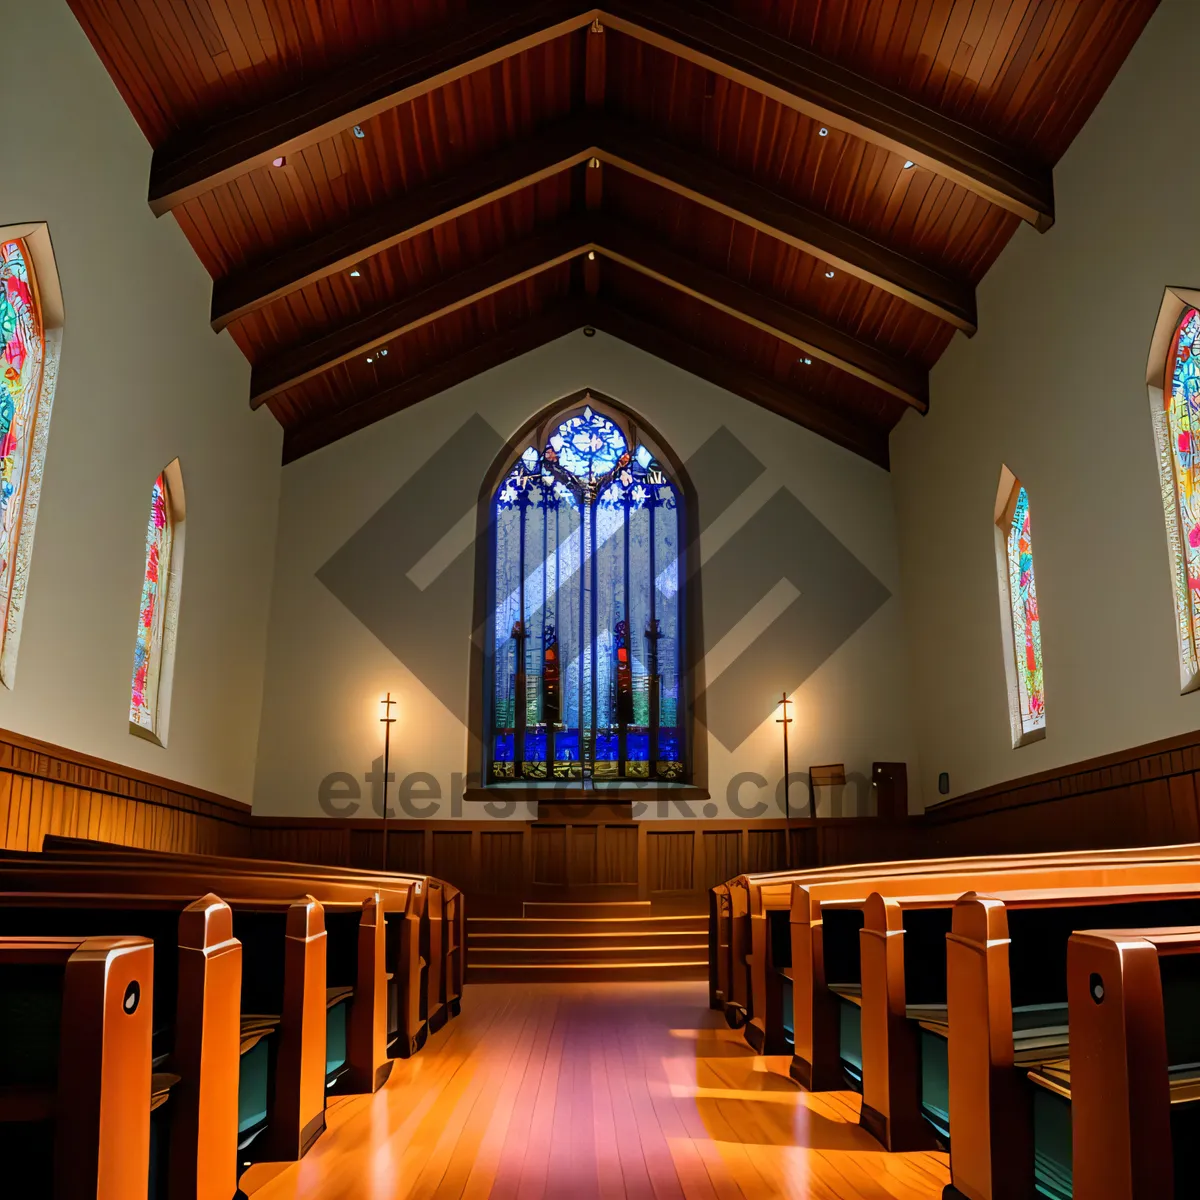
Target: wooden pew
1132,1082
433,901
400,961
719,950
1007,991
235,1044
817,1012
194,1013
762,976
279,1102
75,1085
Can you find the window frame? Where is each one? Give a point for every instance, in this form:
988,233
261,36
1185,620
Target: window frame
1007,493
173,491
47,292
536,432
1160,364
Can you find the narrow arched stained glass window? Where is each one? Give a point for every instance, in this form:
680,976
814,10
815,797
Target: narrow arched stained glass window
24,418
1181,402
1027,695
153,653
587,620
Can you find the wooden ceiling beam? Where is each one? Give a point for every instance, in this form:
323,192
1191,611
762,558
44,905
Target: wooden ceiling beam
522,260
803,409
843,248
354,240
558,148
800,79
565,316
574,313
650,257
195,162
582,237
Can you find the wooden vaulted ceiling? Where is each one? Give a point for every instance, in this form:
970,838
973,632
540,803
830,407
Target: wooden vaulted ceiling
792,198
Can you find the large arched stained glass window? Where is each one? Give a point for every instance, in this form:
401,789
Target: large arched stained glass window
1181,484
587,624
154,643
1023,626
25,400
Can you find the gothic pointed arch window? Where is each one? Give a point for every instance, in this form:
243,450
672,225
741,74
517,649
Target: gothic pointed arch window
1020,618
158,609
30,338
585,612
1174,386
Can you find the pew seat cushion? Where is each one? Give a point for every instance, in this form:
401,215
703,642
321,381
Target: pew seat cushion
935,1078
254,1077
161,1083
255,1027
850,1031
1053,1166
336,1011
1039,1034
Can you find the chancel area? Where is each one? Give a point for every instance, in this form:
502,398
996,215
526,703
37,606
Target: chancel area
599,601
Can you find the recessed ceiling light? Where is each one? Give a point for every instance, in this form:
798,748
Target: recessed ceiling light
909,164
358,132
355,273
823,131
828,274
281,161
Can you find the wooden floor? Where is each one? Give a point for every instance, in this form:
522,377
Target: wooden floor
571,1090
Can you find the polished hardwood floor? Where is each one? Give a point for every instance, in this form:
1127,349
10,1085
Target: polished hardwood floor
609,1090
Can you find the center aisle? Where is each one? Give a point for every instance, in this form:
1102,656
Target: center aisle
609,1090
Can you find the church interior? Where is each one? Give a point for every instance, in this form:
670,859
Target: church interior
599,601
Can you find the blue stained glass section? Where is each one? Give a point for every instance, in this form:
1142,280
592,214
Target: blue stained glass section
585,636
588,446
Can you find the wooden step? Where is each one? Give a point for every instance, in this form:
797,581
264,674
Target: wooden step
482,939
598,911
560,925
593,973
538,954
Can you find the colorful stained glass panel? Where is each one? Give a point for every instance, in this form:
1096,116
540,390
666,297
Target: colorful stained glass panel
1182,402
1026,625
587,620
22,349
148,647
589,445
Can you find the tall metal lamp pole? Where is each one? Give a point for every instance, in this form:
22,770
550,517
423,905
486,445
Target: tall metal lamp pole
785,721
387,721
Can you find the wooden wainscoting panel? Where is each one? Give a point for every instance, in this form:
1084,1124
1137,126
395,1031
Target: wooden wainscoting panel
48,789
406,851
722,856
549,854
452,857
501,859
670,858
766,849
582,855
619,854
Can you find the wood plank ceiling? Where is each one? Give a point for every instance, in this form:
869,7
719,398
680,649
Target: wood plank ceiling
792,198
